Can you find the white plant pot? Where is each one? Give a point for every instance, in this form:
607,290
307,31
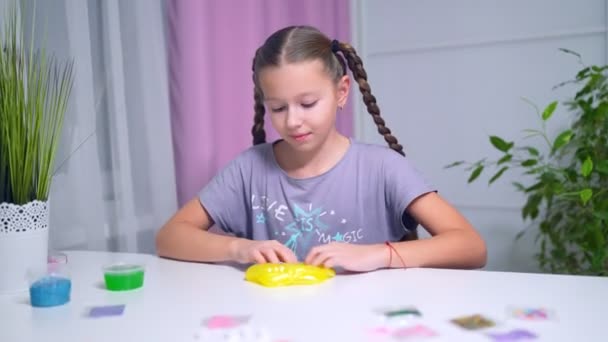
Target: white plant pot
24,236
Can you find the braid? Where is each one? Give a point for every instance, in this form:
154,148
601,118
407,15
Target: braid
259,135
356,66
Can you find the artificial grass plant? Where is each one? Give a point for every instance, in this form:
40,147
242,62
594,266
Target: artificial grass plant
34,91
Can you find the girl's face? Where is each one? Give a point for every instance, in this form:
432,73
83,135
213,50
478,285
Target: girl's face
301,100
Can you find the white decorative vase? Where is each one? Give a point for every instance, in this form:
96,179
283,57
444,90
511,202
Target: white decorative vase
24,236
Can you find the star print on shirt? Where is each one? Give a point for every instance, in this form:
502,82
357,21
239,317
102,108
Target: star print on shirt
338,237
260,218
304,223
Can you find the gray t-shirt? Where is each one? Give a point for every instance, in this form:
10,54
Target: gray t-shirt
362,199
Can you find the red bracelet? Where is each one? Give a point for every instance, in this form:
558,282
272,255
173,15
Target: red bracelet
391,248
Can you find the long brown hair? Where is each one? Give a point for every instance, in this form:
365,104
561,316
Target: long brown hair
304,43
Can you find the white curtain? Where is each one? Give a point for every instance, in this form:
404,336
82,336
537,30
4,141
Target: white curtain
118,187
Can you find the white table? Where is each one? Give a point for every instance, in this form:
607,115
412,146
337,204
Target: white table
177,296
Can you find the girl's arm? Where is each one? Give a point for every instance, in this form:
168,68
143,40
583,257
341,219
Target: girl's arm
454,242
186,237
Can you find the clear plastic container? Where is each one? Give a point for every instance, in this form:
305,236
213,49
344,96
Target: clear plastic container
57,258
123,277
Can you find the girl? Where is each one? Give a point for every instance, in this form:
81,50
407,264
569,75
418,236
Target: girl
316,196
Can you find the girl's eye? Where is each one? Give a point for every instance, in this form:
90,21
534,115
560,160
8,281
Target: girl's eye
277,110
309,105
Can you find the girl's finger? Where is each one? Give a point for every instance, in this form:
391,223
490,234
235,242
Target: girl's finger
314,252
286,254
330,262
320,258
258,257
270,255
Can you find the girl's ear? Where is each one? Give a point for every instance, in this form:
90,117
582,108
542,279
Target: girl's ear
342,90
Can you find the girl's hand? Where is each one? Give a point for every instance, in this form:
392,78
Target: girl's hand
267,251
351,257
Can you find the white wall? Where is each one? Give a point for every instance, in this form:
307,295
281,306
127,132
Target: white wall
447,74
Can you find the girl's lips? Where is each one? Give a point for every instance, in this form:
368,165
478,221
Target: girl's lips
300,137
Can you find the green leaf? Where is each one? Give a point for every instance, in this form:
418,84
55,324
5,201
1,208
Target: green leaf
598,260
543,246
557,188
531,207
475,173
549,110
534,187
602,215
498,174
562,139
529,162
454,164
500,144
472,166
534,170
597,238
585,195
570,52
601,110
548,177
587,167
519,186
588,88
545,227
533,151
585,106
571,175
571,194
532,133
583,73
602,167
505,159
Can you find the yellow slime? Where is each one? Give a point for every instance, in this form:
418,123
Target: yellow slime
274,275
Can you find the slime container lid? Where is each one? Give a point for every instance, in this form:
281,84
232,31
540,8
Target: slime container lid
122,268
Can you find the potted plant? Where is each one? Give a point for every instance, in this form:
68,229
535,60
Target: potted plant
34,93
567,192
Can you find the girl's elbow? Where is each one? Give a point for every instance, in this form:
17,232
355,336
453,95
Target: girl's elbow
475,252
481,253
161,242
483,258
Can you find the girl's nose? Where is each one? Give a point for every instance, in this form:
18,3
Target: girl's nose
293,119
